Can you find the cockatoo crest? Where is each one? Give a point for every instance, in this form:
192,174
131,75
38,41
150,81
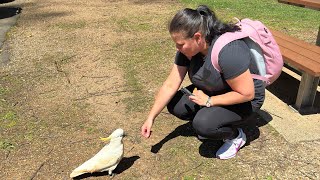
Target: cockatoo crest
117,133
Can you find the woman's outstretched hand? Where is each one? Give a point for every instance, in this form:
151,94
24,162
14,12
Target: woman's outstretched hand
146,128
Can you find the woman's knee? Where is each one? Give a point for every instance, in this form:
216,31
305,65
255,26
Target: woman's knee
179,107
202,127
178,112
212,131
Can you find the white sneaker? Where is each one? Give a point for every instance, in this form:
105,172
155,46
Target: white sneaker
231,146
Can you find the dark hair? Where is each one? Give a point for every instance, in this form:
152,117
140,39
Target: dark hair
202,19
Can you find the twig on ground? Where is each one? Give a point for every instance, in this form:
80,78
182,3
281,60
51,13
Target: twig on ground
82,140
58,67
7,155
190,169
41,165
36,172
305,174
273,114
83,76
131,149
103,104
102,94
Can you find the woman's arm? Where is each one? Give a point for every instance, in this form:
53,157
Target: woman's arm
242,91
166,92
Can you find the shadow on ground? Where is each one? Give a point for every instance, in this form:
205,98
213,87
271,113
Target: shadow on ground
6,12
124,164
182,130
5,1
286,89
208,148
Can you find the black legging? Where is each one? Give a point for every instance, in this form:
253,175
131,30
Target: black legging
216,122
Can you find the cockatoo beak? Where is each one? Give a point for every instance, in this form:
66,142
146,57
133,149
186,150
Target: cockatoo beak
105,139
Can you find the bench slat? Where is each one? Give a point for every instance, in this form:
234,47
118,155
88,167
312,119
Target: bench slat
313,56
302,55
295,41
311,67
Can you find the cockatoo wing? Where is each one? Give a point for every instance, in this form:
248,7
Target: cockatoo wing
108,156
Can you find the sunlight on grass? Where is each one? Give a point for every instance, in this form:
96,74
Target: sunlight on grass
3,90
269,178
6,145
188,178
139,67
8,119
144,65
147,60
71,25
132,25
296,21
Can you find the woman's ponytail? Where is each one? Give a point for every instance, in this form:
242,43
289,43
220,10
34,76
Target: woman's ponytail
214,27
202,20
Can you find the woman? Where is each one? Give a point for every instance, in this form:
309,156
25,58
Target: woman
220,101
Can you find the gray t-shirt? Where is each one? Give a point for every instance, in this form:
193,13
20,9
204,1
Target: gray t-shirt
234,59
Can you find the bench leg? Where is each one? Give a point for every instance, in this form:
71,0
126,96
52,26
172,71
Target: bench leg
307,91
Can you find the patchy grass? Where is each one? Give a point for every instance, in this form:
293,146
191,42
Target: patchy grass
132,25
9,119
61,132
71,25
153,56
6,145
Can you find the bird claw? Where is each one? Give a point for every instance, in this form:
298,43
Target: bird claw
111,175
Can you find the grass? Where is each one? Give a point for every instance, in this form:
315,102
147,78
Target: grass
147,63
296,21
132,25
146,60
72,25
9,119
6,145
140,60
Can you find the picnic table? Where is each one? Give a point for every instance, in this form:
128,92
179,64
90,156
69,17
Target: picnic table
302,56
313,4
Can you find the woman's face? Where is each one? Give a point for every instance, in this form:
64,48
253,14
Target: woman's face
187,46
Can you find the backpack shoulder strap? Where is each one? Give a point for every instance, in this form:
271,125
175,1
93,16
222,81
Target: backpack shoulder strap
223,40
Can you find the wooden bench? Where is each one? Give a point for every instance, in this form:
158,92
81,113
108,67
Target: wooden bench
305,58
313,4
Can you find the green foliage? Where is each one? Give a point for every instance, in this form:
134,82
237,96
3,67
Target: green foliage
6,145
3,91
269,178
8,119
188,178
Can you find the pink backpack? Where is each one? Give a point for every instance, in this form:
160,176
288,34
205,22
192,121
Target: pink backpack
262,45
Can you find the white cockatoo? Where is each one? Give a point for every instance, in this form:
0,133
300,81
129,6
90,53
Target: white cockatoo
106,159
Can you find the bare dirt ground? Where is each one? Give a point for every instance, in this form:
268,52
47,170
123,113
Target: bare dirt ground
66,85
